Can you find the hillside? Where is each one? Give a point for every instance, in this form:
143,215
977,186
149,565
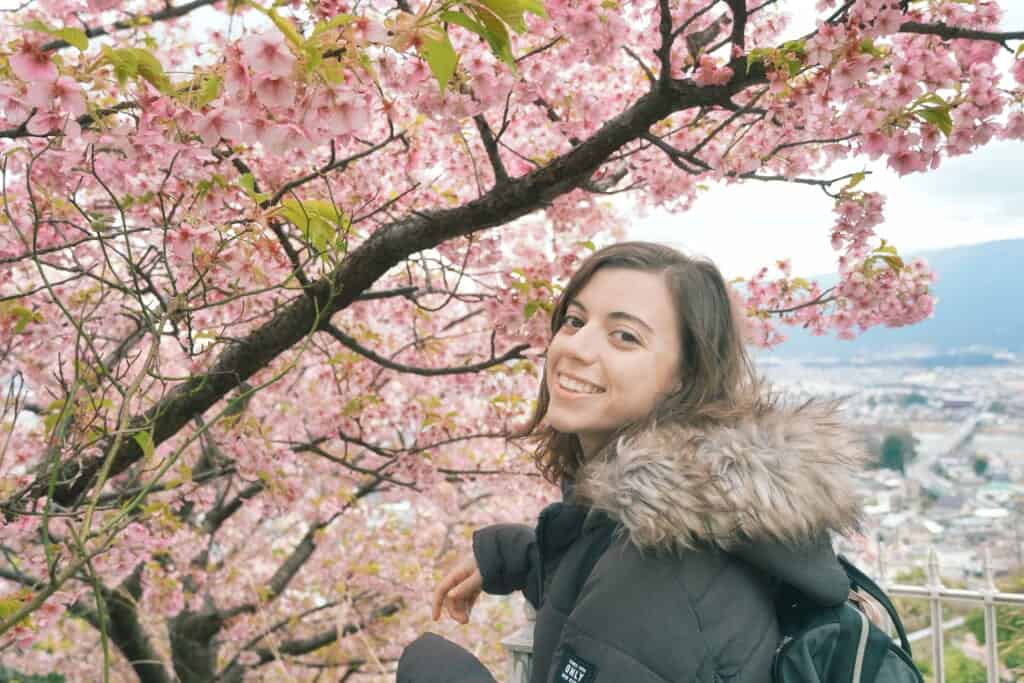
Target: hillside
980,294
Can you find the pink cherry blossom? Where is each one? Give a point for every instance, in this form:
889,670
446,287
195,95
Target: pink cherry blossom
190,250
274,91
47,122
64,92
889,21
236,78
875,144
31,64
267,54
1018,71
215,125
13,103
1014,129
370,30
710,72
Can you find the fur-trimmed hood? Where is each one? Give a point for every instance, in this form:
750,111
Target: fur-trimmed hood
782,475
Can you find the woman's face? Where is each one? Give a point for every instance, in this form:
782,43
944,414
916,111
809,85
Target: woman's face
615,355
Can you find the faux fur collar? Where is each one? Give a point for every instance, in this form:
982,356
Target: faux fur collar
783,474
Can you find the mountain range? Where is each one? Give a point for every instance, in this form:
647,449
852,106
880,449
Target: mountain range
979,313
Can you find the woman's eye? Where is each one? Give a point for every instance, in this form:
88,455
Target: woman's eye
627,337
573,321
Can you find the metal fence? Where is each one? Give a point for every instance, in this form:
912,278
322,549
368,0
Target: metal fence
937,595
519,645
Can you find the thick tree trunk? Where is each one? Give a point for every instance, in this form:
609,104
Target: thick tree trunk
194,646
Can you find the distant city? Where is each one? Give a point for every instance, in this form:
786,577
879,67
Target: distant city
949,446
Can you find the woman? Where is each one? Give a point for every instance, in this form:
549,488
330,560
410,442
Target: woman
690,500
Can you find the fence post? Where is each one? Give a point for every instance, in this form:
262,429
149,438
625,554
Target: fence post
519,647
935,603
991,633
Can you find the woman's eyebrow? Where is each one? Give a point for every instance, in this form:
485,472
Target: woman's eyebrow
616,315
622,315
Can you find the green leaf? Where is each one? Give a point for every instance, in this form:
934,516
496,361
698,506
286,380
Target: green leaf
938,117
534,7
75,37
764,55
334,22
53,413
125,64
145,441
248,183
21,314
465,21
207,91
530,309
286,27
313,54
333,71
855,180
510,11
441,58
496,34
319,221
867,46
150,68
895,262
932,98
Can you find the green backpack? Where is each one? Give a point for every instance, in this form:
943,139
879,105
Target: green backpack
840,644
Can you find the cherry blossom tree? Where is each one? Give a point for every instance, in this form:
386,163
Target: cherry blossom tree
273,281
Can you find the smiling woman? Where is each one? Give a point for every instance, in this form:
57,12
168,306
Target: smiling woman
614,355
689,498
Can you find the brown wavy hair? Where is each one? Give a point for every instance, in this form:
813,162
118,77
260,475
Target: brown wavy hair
718,384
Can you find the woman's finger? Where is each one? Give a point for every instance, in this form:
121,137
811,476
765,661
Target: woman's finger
439,595
452,579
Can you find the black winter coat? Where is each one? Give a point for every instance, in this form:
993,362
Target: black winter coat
663,562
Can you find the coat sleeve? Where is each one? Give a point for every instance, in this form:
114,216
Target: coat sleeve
508,558
630,623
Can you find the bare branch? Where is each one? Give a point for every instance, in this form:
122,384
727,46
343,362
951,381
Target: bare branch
515,352
85,120
537,50
168,12
301,646
491,147
952,32
407,292
636,58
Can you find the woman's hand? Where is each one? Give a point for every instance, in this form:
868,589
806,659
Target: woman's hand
458,590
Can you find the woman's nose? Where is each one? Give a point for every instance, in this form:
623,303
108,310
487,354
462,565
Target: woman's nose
584,343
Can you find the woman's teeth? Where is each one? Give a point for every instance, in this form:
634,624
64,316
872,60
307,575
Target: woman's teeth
578,386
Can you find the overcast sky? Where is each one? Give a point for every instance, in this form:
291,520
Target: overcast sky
969,199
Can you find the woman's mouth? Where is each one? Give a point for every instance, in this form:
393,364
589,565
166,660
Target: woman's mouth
576,385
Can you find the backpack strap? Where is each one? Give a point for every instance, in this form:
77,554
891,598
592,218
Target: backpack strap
862,581
847,663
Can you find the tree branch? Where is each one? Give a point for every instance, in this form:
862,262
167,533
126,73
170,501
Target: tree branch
347,341
85,120
168,12
382,250
487,137
123,625
302,646
951,32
